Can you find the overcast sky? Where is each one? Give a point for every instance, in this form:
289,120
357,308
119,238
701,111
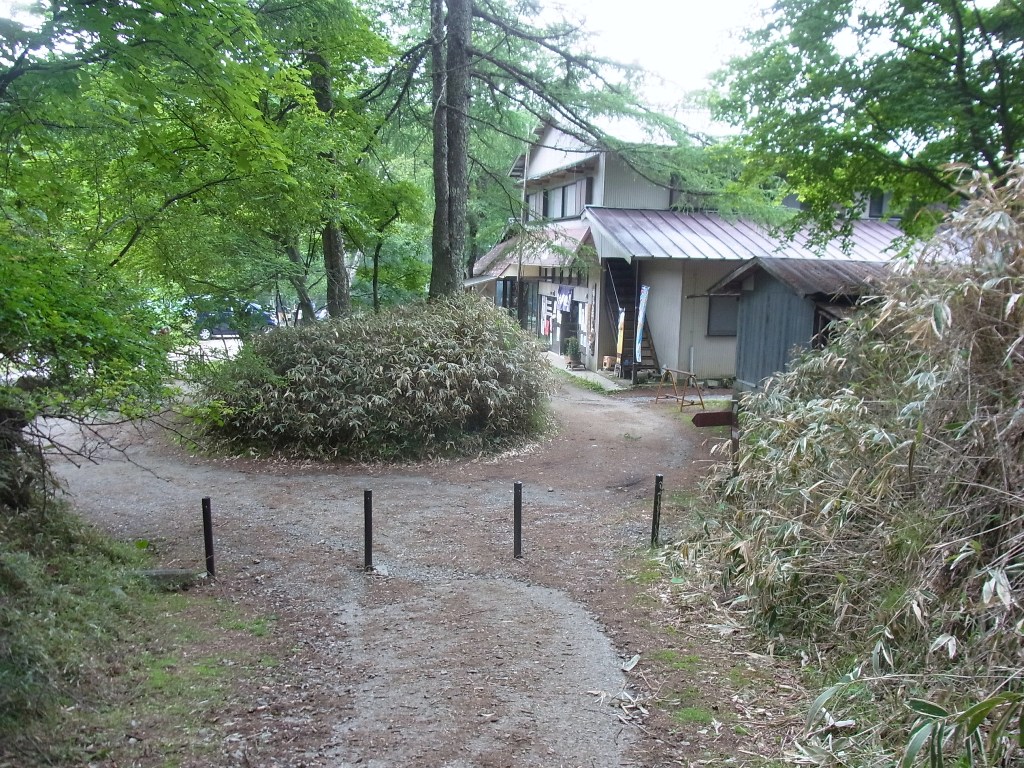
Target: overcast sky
683,41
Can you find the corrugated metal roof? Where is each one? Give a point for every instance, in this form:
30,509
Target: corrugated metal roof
552,245
818,277
473,282
649,234
826,277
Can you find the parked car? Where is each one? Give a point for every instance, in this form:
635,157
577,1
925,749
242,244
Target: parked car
226,322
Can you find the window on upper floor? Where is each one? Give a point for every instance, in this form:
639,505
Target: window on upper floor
876,205
577,195
555,203
563,202
534,206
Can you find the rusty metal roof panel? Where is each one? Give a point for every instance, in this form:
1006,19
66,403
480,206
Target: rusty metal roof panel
650,234
826,277
811,277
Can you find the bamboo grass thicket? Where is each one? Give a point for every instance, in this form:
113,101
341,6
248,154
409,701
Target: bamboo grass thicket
875,520
453,377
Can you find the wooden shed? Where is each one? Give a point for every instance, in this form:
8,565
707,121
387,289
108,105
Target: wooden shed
787,304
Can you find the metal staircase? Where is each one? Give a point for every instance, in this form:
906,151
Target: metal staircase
621,294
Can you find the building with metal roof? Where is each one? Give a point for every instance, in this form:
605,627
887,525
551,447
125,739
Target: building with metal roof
598,235
785,306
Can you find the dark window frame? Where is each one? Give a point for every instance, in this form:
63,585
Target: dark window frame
723,319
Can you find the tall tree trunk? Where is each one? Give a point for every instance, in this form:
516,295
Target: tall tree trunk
338,290
459,30
338,294
376,257
439,245
307,312
450,39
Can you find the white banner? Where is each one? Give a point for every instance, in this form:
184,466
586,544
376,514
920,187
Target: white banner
641,315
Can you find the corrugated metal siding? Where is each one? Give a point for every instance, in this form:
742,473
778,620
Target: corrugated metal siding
625,188
772,321
679,319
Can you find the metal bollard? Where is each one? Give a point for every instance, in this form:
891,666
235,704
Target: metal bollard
368,530
208,537
656,521
517,521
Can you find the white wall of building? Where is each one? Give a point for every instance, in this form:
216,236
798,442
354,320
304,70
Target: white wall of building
678,316
554,151
625,188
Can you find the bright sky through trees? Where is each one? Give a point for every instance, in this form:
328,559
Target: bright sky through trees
682,41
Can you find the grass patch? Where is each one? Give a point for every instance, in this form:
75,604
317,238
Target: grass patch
684,707
693,716
742,677
674,660
642,569
259,626
579,381
646,576
98,667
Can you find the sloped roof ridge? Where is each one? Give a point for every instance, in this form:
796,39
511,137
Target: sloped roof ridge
657,233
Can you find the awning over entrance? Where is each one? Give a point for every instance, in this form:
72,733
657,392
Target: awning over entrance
553,245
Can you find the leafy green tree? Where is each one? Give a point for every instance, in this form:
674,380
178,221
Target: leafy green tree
518,72
116,121
348,192
845,97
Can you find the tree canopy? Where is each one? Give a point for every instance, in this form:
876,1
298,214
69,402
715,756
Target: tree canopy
841,98
231,149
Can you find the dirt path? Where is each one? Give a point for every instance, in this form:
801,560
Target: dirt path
453,653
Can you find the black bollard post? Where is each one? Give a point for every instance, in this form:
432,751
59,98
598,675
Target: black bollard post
656,521
208,537
517,521
368,530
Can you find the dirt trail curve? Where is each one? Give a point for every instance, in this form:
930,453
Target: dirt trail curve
453,654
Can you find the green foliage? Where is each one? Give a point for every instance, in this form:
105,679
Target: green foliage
571,347
64,592
85,335
453,376
875,514
845,97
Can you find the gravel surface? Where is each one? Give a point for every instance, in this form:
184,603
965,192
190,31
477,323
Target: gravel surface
450,653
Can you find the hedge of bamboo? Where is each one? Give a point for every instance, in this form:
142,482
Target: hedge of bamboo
453,377
875,521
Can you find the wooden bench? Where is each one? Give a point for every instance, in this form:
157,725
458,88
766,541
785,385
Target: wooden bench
674,376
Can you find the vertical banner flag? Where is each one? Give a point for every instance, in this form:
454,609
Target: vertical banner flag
621,341
641,315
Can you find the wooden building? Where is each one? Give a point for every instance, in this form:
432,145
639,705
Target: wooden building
787,305
597,235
